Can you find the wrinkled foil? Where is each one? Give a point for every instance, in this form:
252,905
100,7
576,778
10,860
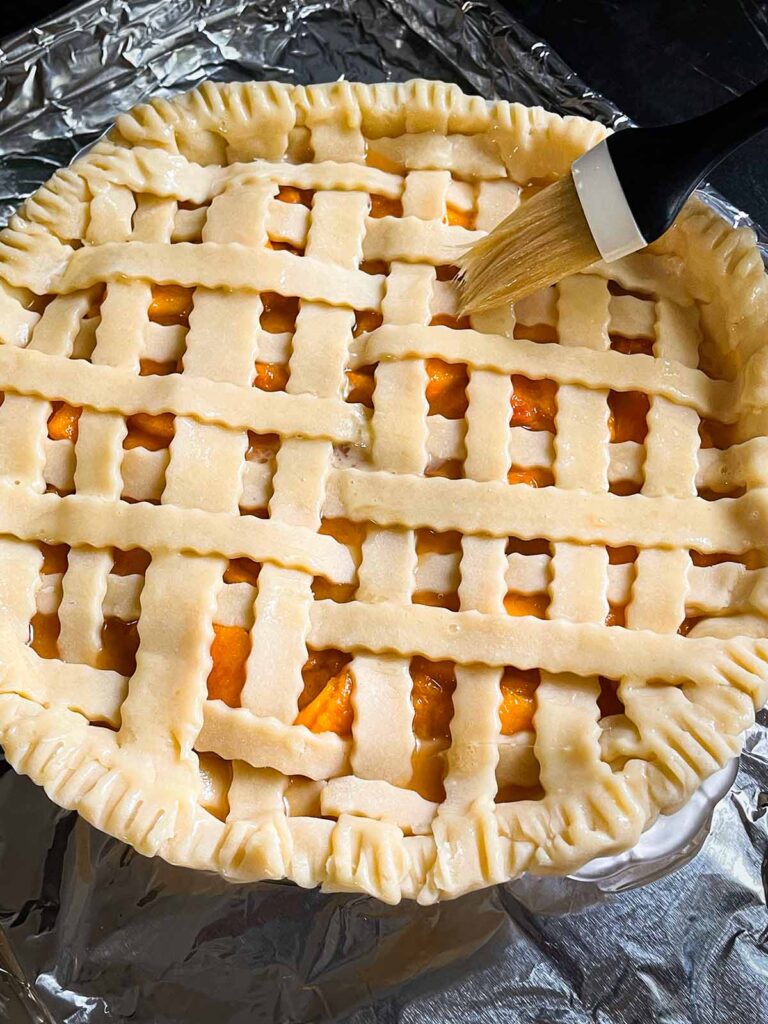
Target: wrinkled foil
93,932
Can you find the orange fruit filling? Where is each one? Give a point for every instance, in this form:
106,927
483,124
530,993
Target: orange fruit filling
171,304
351,534
153,368
518,702
453,469
432,698
324,590
130,563
331,710
271,376
35,303
144,429
289,194
688,623
526,604
430,541
318,669
382,163
382,206
437,599
533,403
617,615
446,388
536,546
325,704
428,769
148,431
284,247
535,476
628,412
229,654
62,423
632,346
456,323
55,558
624,488
345,531
459,218
279,312
242,570
373,267
44,635
536,332
622,555
96,297
262,447
366,320
119,643
704,559
361,384
326,701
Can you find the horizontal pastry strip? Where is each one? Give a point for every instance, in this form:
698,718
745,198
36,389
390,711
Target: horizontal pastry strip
584,649
517,510
220,265
385,238
154,172
380,801
594,369
98,694
113,389
470,157
143,472
725,587
238,734
629,316
720,470
415,240
728,587
121,600
286,222
85,521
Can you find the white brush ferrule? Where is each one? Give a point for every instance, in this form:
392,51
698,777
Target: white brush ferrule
605,206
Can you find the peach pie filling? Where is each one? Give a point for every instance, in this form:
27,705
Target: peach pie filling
325,704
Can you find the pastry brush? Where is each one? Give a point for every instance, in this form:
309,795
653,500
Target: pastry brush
619,197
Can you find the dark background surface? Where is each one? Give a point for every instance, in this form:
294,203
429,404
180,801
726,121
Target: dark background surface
659,60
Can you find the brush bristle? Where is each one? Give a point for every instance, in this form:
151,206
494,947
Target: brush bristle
543,241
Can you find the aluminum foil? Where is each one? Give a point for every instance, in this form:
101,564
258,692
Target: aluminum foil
93,932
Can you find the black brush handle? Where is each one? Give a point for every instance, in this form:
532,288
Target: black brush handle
659,167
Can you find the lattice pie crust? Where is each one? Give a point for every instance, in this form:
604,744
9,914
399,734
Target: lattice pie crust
242,427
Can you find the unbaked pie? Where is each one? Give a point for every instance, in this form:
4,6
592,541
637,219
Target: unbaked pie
301,575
